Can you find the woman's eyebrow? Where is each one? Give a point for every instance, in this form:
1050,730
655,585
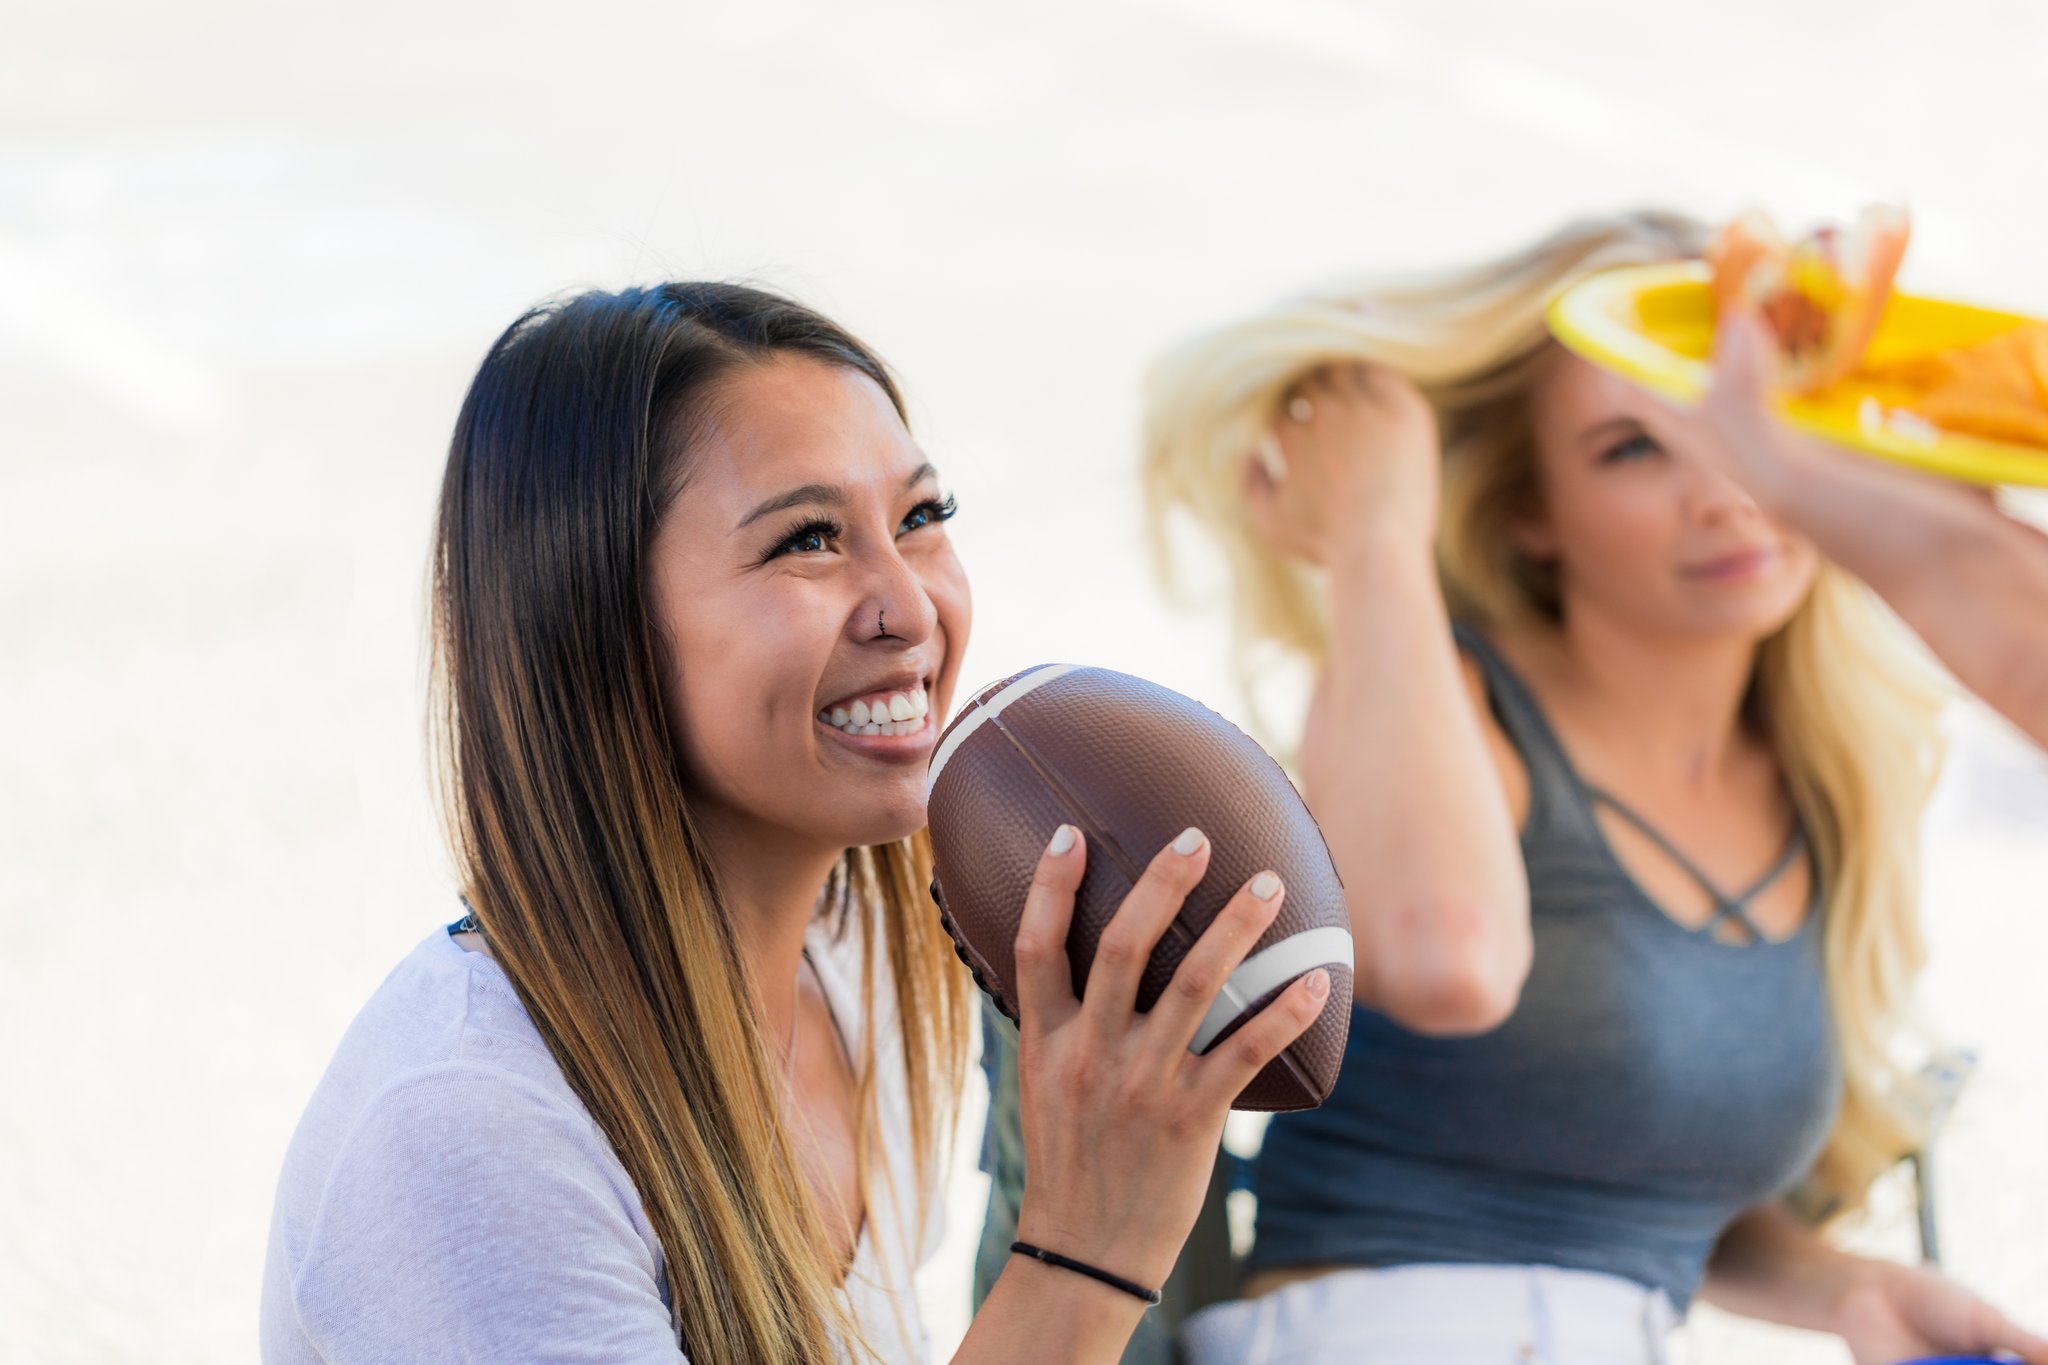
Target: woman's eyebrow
822,495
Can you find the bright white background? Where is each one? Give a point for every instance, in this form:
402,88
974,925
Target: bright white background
251,252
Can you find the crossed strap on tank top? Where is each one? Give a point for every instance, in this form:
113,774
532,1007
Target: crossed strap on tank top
1726,907
1549,765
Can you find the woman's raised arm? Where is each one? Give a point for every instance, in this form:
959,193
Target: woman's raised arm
1395,759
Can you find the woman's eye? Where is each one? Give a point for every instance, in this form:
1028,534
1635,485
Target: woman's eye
928,512
1635,447
813,537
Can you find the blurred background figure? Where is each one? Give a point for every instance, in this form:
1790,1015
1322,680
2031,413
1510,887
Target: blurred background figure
1708,747
249,256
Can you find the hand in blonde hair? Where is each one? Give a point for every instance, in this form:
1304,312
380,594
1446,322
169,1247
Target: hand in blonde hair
1358,449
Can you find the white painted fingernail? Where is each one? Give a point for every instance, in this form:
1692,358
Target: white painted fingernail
1190,840
1062,840
1265,886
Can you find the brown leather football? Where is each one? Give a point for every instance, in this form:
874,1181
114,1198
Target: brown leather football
1132,764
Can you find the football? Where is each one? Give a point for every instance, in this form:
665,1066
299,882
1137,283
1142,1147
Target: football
1131,764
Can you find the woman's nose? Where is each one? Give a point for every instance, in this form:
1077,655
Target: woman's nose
1714,497
896,606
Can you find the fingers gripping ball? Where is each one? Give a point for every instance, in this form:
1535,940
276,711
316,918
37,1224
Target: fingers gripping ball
1132,764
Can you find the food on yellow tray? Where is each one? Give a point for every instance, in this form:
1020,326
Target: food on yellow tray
1821,295
1995,389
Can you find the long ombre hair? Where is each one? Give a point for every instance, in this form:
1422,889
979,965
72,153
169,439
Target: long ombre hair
568,810
1847,705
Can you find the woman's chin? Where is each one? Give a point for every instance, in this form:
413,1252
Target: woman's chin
884,821
1751,614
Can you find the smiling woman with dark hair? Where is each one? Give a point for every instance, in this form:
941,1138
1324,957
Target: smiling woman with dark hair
679,1080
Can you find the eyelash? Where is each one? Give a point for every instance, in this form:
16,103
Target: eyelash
1616,454
941,510
938,510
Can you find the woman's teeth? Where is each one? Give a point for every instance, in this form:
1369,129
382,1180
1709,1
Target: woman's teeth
899,713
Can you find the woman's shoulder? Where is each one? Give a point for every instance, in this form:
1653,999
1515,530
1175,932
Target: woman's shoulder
443,1134
441,1012
441,1063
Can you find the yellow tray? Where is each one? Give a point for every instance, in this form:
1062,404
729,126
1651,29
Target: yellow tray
1655,324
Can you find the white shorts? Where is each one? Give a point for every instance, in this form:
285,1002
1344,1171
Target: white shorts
1439,1315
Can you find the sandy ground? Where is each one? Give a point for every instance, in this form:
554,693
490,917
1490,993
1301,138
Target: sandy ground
250,253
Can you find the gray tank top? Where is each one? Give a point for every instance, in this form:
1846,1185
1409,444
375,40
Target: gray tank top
1653,1082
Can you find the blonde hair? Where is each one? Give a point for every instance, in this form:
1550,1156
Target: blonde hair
569,813
1847,705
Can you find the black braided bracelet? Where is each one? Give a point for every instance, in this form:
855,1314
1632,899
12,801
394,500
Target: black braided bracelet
1136,1291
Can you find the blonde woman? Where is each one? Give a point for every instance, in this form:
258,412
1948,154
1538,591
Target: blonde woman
1541,626
674,1088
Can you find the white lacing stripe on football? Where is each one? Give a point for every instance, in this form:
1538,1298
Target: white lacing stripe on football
987,710
1268,969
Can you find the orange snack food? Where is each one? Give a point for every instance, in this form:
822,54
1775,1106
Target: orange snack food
1996,389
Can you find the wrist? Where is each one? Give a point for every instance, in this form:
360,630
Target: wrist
1125,1257
1370,542
1130,1289
1037,1312
1862,1286
1086,1308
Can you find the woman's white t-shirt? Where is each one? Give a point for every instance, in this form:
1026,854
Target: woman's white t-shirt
446,1196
